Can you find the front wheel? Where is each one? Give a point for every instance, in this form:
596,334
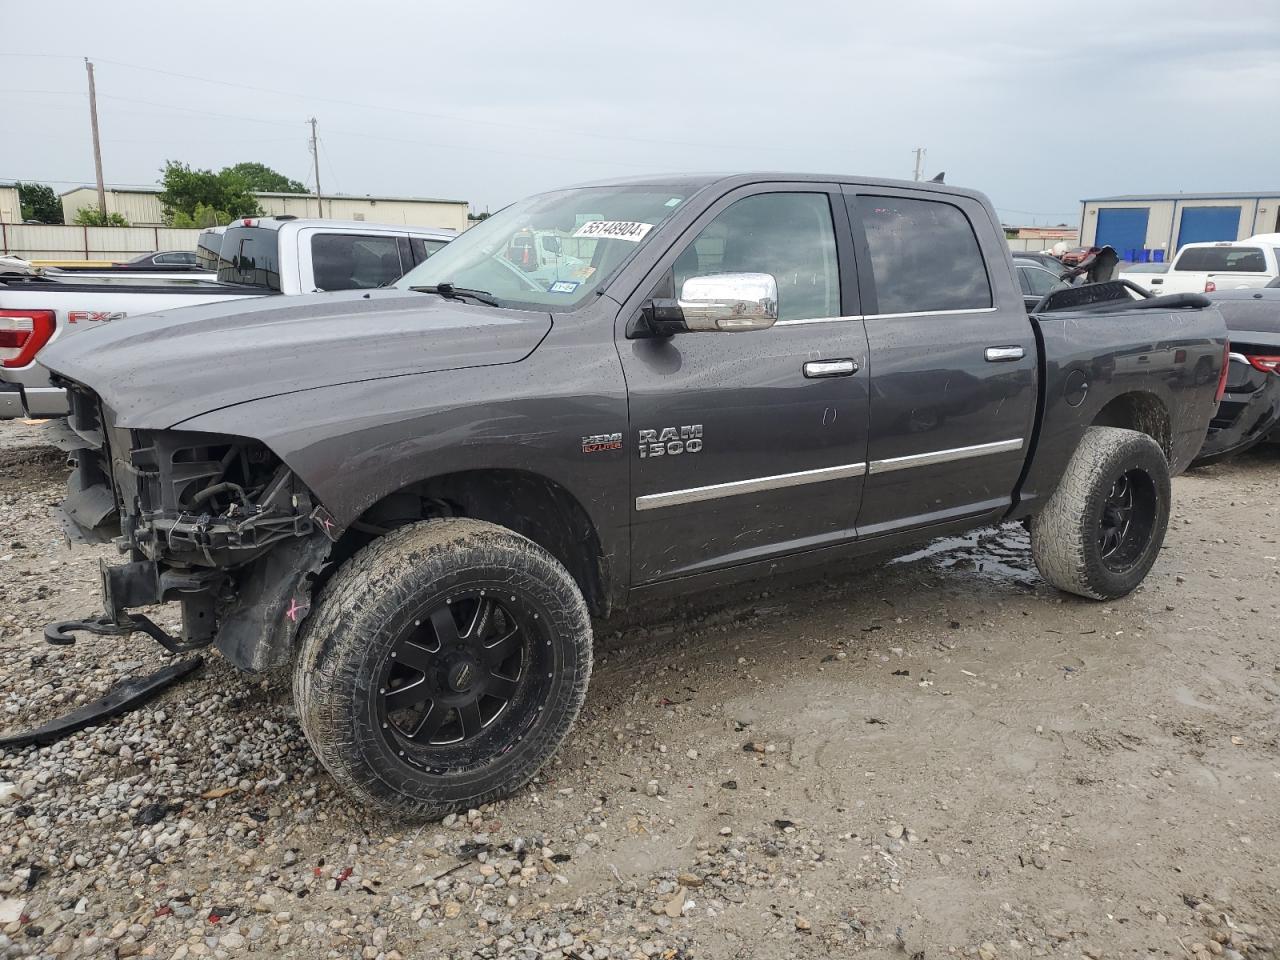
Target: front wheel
443,665
1102,529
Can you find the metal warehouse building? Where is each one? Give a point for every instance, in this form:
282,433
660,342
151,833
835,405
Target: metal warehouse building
141,207
10,208
1155,226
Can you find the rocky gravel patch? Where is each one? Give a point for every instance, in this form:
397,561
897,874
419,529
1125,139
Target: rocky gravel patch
936,757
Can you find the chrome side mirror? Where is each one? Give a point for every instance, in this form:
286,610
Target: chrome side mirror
729,302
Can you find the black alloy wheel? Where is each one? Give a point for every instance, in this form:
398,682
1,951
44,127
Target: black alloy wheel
454,675
442,665
1127,520
1100,532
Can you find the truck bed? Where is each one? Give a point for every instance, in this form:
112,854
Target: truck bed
1167,370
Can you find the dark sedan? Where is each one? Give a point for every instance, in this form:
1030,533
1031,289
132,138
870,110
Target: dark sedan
1035,281
1046,260
163,260
1250,410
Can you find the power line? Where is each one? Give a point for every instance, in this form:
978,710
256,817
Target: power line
417,113
196,110
66,93
1034,213
81,183
511,153
373,136
329,162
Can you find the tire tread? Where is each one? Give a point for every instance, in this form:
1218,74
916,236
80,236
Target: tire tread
1062,537
367,590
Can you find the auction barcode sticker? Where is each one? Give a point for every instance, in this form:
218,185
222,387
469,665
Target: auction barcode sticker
631,230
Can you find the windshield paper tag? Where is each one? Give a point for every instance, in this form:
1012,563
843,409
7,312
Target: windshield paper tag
614,230
564,286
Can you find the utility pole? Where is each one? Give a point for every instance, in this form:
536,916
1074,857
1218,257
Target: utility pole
97,146
315,153
919,162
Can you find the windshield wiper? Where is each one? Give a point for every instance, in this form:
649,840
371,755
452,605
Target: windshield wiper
450,292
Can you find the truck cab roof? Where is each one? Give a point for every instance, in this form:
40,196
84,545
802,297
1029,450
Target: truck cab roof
728,181
285,221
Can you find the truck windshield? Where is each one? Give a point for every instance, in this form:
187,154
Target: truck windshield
552,250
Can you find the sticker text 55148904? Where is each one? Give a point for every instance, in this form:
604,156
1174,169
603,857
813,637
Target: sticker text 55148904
631,230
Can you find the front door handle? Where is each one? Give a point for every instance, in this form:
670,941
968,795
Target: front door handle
816,369
1003,354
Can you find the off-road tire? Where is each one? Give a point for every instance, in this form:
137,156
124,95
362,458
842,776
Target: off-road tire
356,621
1065,534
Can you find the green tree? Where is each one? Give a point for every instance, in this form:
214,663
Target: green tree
93,217
259,178
185,190
39,203
202,216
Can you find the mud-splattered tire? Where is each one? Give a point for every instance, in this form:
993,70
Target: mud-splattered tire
1103,528
482,627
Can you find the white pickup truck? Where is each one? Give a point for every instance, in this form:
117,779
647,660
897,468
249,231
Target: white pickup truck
259,256
1206,267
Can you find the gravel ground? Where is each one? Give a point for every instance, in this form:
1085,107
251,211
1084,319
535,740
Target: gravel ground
939,755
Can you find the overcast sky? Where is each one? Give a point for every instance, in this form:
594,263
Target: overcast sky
1037,104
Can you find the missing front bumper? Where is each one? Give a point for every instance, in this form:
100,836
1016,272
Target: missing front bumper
125,696
143,583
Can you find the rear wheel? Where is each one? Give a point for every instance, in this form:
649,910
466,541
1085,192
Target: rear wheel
1102,529
444,664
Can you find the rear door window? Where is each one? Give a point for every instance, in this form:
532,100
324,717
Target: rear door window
1223,260
924,255
349,261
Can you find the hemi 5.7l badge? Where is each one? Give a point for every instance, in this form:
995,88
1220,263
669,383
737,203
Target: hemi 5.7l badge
601,442
670,441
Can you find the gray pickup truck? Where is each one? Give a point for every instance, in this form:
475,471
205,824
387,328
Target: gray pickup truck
420,496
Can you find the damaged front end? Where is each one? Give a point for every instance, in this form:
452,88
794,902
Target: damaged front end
216,523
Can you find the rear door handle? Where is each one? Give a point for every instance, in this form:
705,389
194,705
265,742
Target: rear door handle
1003,354
817,369
1156,282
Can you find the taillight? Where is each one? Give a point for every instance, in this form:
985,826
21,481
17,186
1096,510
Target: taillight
1267,364
1222,377
22,334
1210,286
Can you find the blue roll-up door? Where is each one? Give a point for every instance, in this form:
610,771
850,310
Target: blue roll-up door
1124,228
1202,224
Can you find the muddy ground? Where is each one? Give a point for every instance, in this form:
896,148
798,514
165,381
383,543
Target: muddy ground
939,755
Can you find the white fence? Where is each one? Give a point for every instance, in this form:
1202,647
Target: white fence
1036,244
44,242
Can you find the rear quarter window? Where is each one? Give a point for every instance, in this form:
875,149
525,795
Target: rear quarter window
924,255
250,255
1223,260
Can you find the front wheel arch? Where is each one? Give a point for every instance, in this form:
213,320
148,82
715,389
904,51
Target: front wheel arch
531,504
